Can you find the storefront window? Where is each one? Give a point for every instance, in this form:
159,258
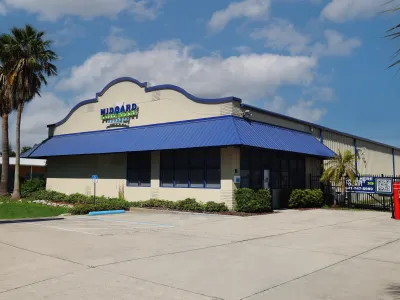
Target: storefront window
139,169
286,169
194,168
167,168
197,168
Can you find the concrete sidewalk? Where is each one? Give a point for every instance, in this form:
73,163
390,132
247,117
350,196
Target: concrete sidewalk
315,254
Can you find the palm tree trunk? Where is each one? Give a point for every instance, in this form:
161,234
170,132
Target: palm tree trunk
4,156
16,195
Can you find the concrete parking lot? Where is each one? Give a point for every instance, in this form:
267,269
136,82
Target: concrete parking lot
314,254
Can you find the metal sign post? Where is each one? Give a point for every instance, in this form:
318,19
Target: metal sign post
95,179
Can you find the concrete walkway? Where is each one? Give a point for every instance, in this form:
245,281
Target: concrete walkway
315,254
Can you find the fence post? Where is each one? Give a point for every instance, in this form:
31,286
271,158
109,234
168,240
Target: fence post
348,196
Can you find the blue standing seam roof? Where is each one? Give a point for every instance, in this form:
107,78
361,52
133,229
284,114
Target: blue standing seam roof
208,132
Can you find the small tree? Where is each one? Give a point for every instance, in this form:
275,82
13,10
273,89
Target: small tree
11,152
25,149
340,167
393,34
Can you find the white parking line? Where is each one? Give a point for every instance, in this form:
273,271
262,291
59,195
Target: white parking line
65,229
129,222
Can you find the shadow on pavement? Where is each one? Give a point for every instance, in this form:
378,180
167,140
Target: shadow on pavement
394,290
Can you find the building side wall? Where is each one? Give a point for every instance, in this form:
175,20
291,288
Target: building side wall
72,174
270,119
230,166
337,142
379,159
154,107
397,162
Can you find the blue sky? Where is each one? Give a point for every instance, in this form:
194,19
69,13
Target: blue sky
319,60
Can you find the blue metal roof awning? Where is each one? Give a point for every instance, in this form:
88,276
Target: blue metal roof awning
209,132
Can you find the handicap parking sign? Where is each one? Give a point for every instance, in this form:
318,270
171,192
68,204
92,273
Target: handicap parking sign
95,178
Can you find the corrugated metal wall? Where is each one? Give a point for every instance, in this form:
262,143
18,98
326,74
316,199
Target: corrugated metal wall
338,142
397,161
379,159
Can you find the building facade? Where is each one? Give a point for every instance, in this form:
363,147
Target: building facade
162,142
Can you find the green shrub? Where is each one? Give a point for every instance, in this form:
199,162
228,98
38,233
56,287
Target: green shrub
31,186
79,198
49,196
189,204
250,201
306,198
136,204
82,209
212,206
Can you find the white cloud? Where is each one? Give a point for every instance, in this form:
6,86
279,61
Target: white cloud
144,10
282,35
3,10
251,9
250,76
67,34
320,93
336,45
302,109
345,10
52,10
277,104
118,43
305,110
36,116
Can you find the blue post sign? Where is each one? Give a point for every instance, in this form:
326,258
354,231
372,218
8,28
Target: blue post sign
95,179
370,185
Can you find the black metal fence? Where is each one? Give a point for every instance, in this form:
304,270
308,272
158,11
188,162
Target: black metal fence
336,194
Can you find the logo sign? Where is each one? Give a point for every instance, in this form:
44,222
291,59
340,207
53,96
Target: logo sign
95,178
119,116
370,185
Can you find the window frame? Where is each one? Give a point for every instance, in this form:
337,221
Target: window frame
190,168
139,169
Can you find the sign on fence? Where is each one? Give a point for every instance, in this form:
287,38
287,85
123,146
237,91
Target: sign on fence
370,185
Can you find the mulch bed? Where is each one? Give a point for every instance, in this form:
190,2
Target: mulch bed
225,213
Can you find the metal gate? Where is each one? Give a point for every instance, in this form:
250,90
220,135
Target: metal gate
337,193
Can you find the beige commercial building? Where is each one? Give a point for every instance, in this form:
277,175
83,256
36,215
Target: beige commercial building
162,142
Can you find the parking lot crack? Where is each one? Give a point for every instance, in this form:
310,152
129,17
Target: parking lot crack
43,254
324,268
162,284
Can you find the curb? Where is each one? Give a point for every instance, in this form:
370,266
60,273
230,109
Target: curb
107,212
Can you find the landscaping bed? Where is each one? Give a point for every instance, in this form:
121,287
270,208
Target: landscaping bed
225,213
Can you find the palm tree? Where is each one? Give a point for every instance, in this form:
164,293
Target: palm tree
28,58
5,110
340,167
394,33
